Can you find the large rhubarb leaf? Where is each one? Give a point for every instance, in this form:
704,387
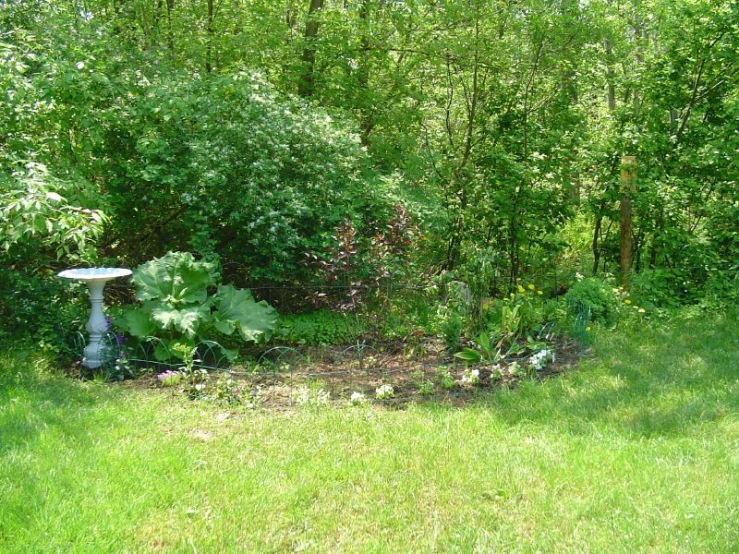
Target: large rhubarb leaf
238,311
176,278
185,320
138,323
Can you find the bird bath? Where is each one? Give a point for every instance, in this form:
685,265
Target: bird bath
95,278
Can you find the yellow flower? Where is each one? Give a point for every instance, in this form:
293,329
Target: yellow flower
521,289
627,301
587,329
539,292
531,286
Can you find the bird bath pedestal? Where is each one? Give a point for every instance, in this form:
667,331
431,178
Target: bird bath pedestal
95,278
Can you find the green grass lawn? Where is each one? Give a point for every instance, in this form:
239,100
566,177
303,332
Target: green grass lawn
635,451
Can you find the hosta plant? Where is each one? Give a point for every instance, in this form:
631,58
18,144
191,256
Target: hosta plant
182,304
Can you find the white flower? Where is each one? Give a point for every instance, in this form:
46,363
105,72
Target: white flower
357,399
539,360
471,377
383,392
304,396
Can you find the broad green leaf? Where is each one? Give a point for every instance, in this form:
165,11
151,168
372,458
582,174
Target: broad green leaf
226,327
238,310
176,278
138,323
469,356
483,341
229,354
180,349
185,320
162,353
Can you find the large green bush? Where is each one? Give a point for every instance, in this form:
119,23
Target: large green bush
224,165
595,296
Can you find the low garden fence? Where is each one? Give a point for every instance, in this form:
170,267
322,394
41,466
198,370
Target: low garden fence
286,376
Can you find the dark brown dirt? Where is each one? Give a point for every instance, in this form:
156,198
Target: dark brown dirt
419,374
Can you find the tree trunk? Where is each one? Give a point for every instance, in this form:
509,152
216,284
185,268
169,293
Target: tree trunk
307,83
209,39
365,120
595,246
628,179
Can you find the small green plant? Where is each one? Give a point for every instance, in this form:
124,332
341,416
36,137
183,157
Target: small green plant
539,360
470,378
196,382
486,351
519,314
451,330
446,381
516,370
227,390
357,399
426,388
254,398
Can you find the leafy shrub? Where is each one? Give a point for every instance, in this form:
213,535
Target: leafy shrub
42,307
597,297
321,328
267,177
722,288
35,205
178,308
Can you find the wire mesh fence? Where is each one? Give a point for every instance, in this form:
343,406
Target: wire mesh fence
283,376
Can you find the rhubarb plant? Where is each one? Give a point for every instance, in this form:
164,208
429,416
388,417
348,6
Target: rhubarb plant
183,303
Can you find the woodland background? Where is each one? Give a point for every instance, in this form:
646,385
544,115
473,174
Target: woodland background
362,142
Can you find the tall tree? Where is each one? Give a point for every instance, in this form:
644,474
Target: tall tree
307,84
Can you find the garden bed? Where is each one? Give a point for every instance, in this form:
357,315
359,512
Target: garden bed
286,376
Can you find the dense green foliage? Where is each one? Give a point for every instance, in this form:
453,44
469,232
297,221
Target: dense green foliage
254,133
596,297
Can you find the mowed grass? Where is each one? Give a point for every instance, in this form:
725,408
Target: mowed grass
635,451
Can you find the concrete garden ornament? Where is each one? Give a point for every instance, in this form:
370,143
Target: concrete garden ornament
96,326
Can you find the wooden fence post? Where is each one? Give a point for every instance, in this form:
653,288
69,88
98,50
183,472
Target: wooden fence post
628,187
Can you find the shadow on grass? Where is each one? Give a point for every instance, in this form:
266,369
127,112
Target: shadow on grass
645,382
33,401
